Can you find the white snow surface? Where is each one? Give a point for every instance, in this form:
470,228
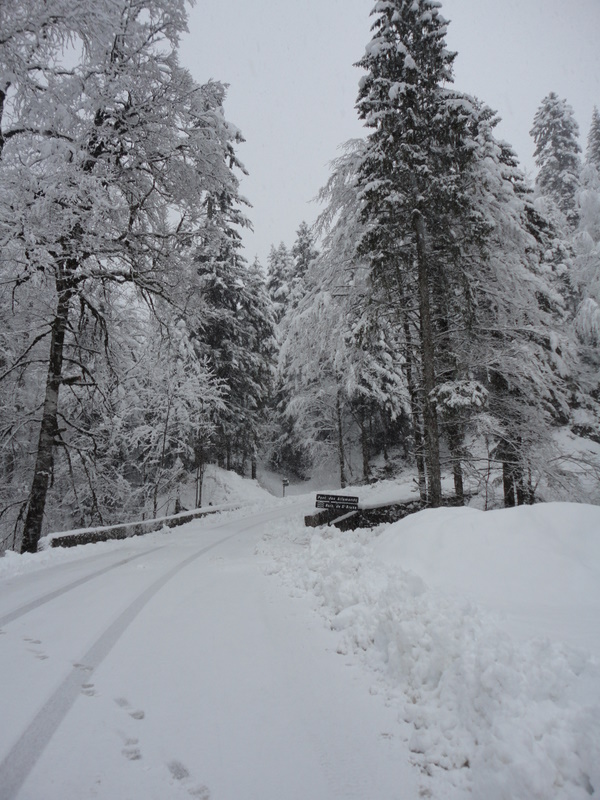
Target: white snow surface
453,655
482,630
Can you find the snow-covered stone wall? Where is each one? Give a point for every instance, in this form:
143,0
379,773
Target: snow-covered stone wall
127,530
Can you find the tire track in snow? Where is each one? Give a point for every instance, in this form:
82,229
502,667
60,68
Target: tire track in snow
33,604
40,601
24,754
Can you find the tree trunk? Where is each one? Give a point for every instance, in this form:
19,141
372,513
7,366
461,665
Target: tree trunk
199,461
519,485
524,488
416,416
364,441
508,484
432,441
253,467
163,456
459,489
454,440
36,504
341,454
199,479
506,455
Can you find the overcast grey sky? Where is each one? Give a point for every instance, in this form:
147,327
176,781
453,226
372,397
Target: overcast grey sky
293,86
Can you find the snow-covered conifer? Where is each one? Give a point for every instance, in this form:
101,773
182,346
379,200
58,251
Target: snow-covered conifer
280,277
410,176
304,253
592,152
555,133
235,333
456,248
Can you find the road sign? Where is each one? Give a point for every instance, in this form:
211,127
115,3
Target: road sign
337,501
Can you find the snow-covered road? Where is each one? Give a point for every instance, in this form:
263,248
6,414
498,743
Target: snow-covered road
172,666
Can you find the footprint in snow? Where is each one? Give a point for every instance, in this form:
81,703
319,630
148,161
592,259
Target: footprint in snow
132,753
83,667
123,703
200,792
88,689
181,773
178,770
130,750
39,654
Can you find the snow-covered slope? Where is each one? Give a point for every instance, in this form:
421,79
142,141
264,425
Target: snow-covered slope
221,486
483,629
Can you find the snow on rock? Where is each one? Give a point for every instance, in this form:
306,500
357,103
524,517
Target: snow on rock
428,604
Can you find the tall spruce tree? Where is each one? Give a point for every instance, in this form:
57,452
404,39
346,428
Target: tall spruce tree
410,177
235,334
455,247
587,266
592,152
555,133
280,276
304,253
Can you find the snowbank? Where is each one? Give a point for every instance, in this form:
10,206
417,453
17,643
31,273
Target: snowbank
539,562
429,605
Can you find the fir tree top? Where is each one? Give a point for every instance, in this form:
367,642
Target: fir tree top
304,250
555,134
593,142
405,59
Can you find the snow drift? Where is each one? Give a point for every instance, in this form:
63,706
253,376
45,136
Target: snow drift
483,628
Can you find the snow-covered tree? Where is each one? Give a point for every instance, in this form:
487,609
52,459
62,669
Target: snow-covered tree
555,133
592,153
304,253
340,367
303,250
167,415
586,245
280,277
457,249
109,152
411,173
517,345
236,335
587,256
287,283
